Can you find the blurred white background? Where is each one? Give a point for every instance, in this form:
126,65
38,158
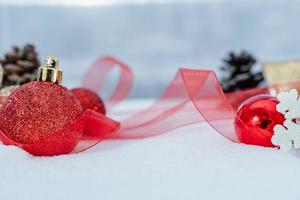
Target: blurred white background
97,2
153,37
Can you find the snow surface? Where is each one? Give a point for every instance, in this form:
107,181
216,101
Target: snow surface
188,163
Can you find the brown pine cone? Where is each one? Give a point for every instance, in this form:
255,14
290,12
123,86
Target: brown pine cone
19,66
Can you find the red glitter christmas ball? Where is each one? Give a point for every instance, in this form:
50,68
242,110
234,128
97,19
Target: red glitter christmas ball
89,100
40,116
256,119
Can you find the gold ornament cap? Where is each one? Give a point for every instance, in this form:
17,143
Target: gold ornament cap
50,72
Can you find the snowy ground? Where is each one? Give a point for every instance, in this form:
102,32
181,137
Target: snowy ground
189,163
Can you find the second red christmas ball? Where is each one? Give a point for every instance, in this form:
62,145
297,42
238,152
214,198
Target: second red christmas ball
256,119
89,100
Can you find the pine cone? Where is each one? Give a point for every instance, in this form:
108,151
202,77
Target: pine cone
19,66
239,72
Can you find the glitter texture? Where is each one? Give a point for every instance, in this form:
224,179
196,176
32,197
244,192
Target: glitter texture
89,99
39,111
61,142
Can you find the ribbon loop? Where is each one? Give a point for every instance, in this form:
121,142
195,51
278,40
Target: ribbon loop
96,75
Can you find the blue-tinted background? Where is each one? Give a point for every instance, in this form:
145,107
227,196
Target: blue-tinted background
154,39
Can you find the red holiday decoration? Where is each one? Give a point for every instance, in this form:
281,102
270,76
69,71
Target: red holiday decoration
89,99
36,113
194,96
46,119
256,119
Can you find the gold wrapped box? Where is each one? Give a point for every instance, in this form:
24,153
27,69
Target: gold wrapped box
282,75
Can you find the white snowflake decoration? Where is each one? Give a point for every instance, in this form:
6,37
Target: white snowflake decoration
287,136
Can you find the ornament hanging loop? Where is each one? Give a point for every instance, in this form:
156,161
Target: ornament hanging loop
50,72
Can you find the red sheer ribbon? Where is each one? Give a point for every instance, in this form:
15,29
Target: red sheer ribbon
96,76
194,96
